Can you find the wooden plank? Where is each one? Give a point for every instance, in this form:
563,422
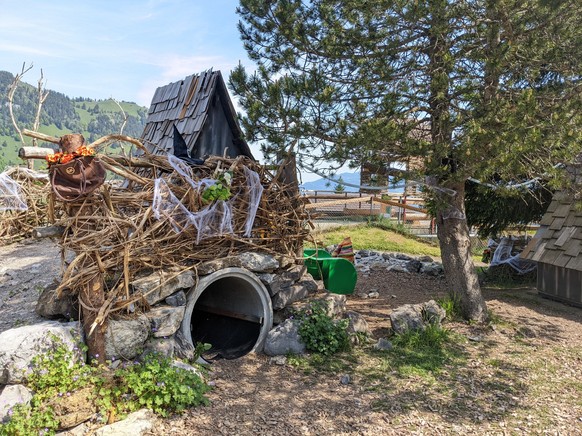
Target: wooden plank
564,235
336,202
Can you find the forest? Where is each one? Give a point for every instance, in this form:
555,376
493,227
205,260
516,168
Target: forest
60,115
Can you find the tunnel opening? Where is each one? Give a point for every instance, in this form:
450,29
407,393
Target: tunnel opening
231,310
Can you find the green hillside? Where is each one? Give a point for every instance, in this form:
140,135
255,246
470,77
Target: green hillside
61,115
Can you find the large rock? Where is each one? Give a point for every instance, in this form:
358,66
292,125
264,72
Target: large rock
289,295
125,338
159,285
416,316
19,346
357,323
212,266
135,424
165,320
432,269
433,313
10,396
177,299
275,282
161,346
258,262
407,317
284,339
51,306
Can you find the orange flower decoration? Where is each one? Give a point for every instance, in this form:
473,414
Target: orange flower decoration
63,158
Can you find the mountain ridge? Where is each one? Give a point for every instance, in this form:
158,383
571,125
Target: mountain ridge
61,115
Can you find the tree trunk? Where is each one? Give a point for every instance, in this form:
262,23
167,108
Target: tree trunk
453,235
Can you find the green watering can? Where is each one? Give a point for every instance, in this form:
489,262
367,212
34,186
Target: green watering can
339,275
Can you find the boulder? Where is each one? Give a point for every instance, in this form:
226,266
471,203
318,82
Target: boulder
383,345
357,323
433,313
177,299
125,338
407,317
432,269
275,282
258,262
416,316
289,295
165,320
19,346
135,424
212,266
182,348
51,306
413,265
162,346
284,339
10,396
159,285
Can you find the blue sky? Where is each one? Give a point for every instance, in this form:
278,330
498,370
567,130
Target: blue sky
123,49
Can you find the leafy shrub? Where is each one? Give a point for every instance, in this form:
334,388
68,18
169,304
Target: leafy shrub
158,385
154,383
321,333
27,420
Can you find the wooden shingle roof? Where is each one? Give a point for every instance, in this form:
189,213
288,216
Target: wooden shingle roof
559,240
189,106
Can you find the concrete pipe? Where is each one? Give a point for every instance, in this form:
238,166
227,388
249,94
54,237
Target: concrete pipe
231,310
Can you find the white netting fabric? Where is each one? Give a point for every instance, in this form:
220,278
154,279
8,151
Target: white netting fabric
213,220
502,256
255,190
11,197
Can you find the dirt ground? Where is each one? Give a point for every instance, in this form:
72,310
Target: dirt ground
522,374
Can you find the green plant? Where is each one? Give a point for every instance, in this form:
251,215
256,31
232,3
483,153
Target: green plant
220,190
155,384
321,333
60,370
424,352
26,419
452,306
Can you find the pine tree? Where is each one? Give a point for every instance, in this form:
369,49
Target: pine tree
486,89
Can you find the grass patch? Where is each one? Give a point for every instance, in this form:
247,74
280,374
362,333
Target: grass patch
373,237
452,306
425,352
313,363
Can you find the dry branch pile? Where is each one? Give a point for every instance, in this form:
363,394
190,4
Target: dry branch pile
116,236
35,190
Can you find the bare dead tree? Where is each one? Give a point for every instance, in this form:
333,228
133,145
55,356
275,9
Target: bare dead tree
42,96
124,114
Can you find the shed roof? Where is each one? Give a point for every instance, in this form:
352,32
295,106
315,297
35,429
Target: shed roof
559,240
186,104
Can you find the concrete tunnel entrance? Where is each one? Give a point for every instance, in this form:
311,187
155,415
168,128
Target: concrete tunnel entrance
231,310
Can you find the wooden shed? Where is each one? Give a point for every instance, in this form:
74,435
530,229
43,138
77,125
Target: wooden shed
199,109
557,250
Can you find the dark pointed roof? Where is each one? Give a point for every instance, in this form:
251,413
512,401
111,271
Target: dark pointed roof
200,108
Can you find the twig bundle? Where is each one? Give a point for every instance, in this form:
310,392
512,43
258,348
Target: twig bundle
115,234
35,190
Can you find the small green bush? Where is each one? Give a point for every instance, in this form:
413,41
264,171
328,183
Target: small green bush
320,333
157,385
154,383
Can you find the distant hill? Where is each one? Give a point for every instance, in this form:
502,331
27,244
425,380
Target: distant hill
328,185
61,115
